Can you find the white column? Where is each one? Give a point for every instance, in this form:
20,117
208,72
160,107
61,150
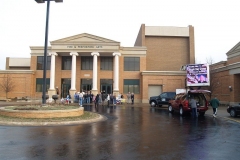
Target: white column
94,54
73,74
116,71
52,70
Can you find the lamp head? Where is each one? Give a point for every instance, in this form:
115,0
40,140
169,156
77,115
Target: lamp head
43,1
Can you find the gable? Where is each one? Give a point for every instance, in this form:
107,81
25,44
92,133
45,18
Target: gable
235,49
83,38
234,52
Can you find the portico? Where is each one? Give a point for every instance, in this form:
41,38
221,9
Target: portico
84,47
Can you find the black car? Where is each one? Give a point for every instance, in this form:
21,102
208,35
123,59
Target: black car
162,99
234,110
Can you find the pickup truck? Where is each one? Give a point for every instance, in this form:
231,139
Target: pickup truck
162,99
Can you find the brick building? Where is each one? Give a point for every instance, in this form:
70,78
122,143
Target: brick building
92,63
225,77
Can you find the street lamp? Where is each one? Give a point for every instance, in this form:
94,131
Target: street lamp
45,49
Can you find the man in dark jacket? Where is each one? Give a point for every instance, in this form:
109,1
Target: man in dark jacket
214,103
132,98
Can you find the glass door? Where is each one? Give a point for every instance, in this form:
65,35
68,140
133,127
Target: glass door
66,86
106,85
107,88
86,85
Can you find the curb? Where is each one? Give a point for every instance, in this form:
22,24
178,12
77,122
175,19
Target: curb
37,124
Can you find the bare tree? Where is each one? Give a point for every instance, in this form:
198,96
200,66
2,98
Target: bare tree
7,84
209,60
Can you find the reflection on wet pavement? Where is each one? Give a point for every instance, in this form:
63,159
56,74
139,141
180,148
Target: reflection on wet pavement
131,132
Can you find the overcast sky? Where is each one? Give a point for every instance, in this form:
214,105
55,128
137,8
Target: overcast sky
216,23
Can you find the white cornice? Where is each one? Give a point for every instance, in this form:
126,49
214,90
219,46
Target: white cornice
86,43
143,48
227,68
233,54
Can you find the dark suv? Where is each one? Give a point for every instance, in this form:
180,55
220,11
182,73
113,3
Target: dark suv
181,102
162,99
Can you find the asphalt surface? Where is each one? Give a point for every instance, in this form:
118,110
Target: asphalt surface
221,112
130,132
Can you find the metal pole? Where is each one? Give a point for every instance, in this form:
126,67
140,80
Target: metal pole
45,55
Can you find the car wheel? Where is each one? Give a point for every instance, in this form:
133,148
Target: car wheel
233,113
202,113
170,109
181,111
153,104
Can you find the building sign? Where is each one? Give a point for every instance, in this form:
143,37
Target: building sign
198,75
86,75
84,47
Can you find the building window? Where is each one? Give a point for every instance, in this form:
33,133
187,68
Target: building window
131,85
87,63
40,62
66,63
131,64
39,84
107,63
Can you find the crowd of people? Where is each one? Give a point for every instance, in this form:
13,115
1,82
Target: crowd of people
102,98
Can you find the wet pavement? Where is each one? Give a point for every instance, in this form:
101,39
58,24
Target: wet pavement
130,132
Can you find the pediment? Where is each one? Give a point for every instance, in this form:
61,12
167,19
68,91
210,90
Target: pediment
235,49
83,38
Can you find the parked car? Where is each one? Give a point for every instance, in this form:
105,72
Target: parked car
181,102
162,99
234,110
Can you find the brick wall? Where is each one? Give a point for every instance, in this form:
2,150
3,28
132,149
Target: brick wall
166,53
169,83
22,82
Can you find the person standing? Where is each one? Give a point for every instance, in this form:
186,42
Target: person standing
88,97
96,101
68,99
108,99
193,104
57,91
76,97
132,98
214,103
100,98
80,99
129,97
114,99
104,97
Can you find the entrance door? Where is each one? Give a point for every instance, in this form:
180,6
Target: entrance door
86,85
65,90
66,86
106,85
107,88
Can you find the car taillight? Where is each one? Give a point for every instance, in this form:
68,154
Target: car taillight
206,103
185,103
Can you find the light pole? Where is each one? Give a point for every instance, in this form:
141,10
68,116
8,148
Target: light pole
45,49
